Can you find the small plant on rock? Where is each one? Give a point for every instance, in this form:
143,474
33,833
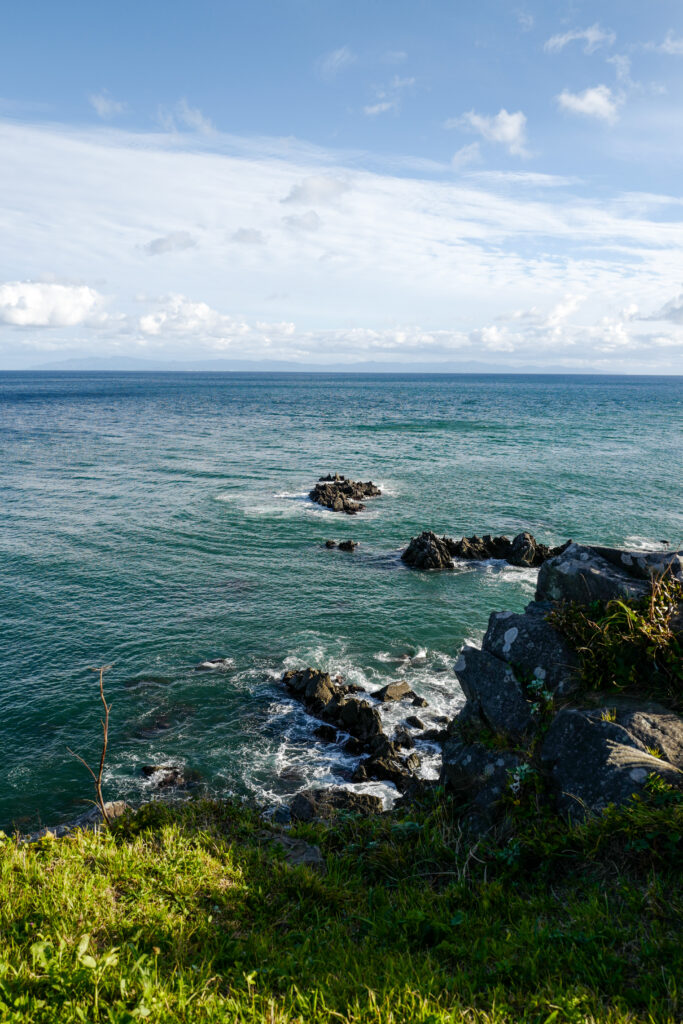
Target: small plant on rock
97,778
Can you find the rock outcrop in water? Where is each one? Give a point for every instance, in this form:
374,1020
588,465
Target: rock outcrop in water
335,704
518,687
342,495
428,551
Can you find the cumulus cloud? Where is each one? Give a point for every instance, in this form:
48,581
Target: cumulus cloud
303,222
36,304
592,37
507,129
176,241
104,106
249,236
178,317
330,64
598,102
317,188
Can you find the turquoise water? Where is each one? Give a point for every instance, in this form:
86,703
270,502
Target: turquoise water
155,520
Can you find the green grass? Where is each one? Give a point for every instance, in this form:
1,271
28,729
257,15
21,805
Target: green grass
186,914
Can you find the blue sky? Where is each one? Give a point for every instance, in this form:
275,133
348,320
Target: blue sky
333,181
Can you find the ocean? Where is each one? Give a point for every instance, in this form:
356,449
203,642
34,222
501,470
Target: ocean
156,520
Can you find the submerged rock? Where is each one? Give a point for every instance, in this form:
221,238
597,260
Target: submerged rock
342,495
348,545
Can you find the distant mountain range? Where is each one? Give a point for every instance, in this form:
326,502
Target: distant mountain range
114,364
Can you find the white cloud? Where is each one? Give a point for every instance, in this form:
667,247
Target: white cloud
303,222
249,236
176,241
671,311
330,64
673,45
593,37
525,20
373,109
599,102
466,155
37,304
104,106
318,188
187,117
507,129
443,257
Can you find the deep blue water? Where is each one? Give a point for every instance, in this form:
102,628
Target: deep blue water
154,520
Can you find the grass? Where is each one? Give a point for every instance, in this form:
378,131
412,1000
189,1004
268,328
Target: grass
186,914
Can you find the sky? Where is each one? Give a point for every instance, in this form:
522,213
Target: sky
433,182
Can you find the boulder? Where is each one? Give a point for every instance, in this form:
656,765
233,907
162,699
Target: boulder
348,545
582,575
326,733
641,564
404,739
388,769
428,552
342,495
493,692
393,691
594,761
476,772
330,543
414,722
326,803
164,776
523,550
313,688
359,719
533,646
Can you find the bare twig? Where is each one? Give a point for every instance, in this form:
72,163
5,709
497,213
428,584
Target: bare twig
97,779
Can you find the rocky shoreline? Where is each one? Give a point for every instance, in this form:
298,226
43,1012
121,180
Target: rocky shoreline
524,719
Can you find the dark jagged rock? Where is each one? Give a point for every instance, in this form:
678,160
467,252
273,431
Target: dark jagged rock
595,760
387,769
348,545
330,544
326,803
417,702
535,648
215,665
414,722
478,773
428,552
393,691
313,688
493,692
434,735
326,733
583,574
342,495
404,739
431,552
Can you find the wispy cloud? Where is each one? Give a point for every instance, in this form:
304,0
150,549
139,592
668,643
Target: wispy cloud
382,107
672,44
388,97
592,38
104,106
184,116
525,20
598,102
466,155
507,129
330,64
176,241
443,258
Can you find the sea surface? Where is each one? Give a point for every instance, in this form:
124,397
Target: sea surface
154,521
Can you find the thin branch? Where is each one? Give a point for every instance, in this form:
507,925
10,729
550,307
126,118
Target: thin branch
97,779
